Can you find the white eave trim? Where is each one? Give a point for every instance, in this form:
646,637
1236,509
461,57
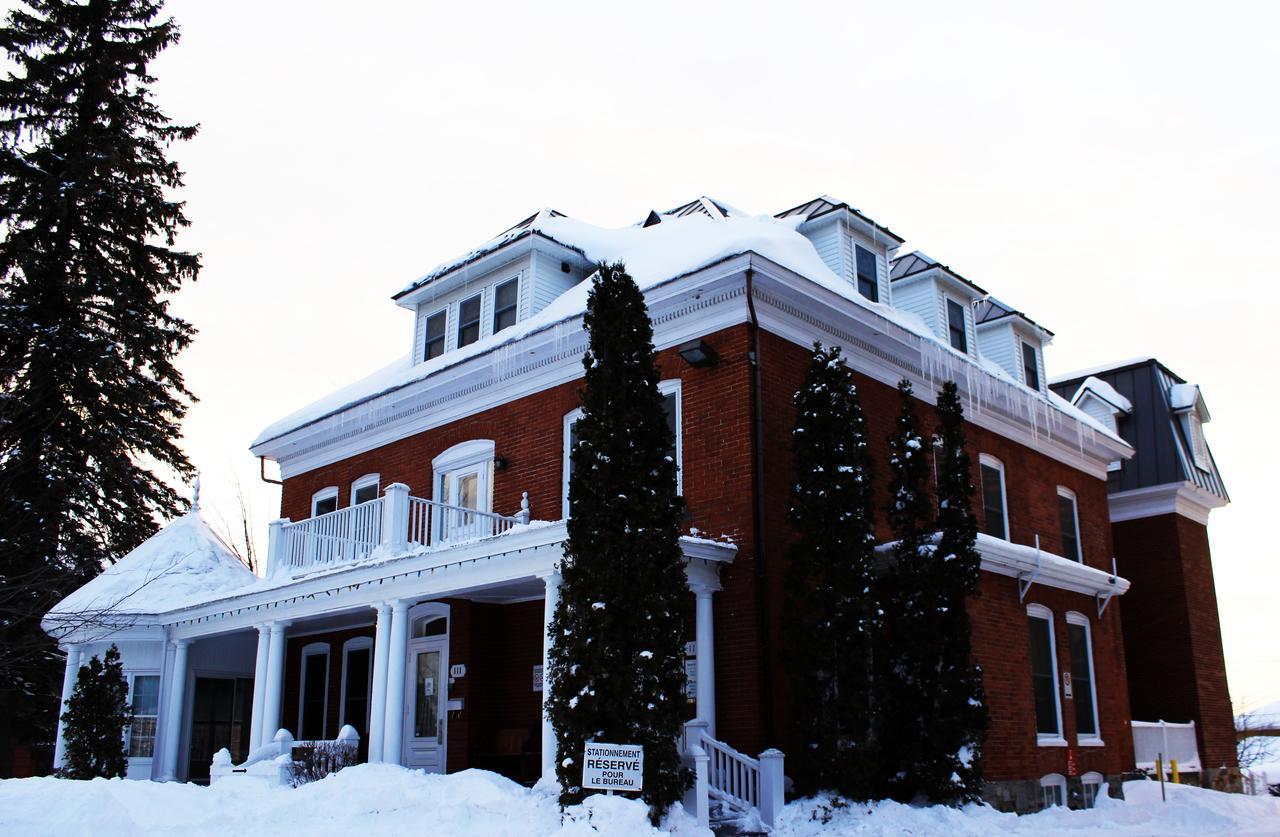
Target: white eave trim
1184,498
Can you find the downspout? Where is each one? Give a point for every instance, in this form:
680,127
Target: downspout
262,472
757,517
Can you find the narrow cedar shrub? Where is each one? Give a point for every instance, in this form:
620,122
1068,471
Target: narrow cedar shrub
94,723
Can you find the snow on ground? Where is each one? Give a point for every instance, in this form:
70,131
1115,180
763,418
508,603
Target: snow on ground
381,799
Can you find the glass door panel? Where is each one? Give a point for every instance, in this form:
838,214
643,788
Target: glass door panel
426,712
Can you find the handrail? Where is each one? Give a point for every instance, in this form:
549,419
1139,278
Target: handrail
432,523
340,536
731,774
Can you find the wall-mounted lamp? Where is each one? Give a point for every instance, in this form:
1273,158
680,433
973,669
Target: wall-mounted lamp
698,354
499,463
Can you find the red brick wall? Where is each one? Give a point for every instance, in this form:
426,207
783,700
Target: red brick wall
1174,642
717,409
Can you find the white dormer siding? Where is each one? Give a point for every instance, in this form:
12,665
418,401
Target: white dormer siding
836,243
550,279
1002,341
926,295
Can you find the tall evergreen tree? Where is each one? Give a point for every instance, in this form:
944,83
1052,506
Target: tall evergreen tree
959,714
938,714
92,400
95,720
617,648
907,641
832,613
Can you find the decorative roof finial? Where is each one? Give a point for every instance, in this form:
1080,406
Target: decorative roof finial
195,495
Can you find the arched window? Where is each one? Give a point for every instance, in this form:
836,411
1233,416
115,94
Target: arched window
1084,689
357,683
364,489
1054,788
463,480
324,501
1044,676
995,509
313,691
1093,783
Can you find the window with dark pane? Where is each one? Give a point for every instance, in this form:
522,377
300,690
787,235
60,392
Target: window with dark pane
993,522
1082,680
1043,687
325,505
955,326
1070,527
868,273
355,708
315,682
469,321
435,336
504,304
1030,369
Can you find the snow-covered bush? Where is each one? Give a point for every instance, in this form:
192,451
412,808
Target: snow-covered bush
317,760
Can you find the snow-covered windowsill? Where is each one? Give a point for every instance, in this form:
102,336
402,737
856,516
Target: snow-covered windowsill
1090,741
1051,741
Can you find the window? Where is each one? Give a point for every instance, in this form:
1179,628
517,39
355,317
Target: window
463,480
1069,519
357,683
364,489
1030,369
324,501
145,700
429,625
671,403
435,335
1084,693
1054,788
313,692
1092,784
469,321
504,304
1199,447
868,273
956,328
995,521
1044,675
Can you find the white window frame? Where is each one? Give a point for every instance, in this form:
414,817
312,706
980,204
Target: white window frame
313,649
464,457
1063,491
457,318
966,312
1049,739
1196,440
1022,364
325,493
1054,780
669,387
356,643
518,278
1095,740
1093,777
425,320
364,482
155,738
991,462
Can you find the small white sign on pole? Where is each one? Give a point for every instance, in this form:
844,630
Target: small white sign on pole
613,767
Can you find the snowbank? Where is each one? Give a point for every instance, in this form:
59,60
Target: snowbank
381,799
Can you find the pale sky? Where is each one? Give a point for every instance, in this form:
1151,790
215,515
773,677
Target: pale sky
1110,168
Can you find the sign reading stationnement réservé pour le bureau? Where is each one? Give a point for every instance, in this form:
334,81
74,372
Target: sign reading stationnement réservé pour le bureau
613,767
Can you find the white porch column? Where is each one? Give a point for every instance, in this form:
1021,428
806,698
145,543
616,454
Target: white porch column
68,686
259,686
275,684
551,599
397,649
706,665
173,711
378,699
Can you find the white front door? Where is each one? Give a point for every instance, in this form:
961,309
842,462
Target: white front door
462,489
427,690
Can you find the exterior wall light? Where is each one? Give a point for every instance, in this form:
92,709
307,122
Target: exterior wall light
698,354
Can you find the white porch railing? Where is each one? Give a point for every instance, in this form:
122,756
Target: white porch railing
348,535
431,522
1167,742
743,783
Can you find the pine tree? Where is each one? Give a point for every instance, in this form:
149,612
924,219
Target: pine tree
938,714
95,720
832,614
92,400
959,716
617,649
904,699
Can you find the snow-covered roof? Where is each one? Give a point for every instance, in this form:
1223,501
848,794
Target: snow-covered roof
1100,369
677,246
824,205
1187,397
184,563
1101,389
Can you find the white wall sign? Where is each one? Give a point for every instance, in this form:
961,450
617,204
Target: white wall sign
690,678
613,767
1066,685
537,678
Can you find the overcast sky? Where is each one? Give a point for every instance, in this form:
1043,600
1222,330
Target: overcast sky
1109,168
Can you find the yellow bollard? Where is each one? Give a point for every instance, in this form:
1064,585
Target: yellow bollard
1173,764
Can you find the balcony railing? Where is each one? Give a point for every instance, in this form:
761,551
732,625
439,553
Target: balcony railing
396,520
1163,742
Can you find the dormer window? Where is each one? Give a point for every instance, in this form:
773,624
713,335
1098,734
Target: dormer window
1030,368
505,297
868,273
956,330
1199,447
469,321
435,335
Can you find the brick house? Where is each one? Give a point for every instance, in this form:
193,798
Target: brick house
413,569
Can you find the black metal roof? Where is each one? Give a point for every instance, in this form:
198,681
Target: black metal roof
825,205
915,262
992,309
